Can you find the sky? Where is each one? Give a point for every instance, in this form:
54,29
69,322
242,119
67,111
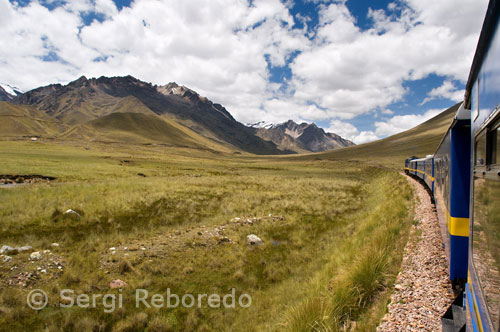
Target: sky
361,69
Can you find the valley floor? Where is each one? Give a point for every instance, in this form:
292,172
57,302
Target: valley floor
177,220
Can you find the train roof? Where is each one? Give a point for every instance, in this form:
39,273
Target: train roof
422,159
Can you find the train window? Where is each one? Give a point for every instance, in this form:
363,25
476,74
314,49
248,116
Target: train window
493,142
486,243
480,150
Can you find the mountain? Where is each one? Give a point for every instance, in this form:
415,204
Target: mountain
85,100
8,92
300,138
23,121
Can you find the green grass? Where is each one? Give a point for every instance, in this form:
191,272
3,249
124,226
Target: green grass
334,226
330,261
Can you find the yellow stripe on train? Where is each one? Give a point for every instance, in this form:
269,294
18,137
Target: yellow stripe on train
457,226
417,170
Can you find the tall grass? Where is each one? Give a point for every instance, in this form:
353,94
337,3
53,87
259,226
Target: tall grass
327,264
365,266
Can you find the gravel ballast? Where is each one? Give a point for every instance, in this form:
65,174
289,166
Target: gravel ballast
422,291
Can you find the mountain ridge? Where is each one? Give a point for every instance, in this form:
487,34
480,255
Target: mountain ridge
303,137
88,99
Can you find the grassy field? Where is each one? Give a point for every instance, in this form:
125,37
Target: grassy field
332,231
175,220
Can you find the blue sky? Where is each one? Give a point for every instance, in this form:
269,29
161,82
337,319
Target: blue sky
362,69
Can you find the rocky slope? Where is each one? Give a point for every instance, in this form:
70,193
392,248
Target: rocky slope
302,137
86,100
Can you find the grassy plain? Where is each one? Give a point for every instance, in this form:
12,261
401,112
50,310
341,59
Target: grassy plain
333,226
333,233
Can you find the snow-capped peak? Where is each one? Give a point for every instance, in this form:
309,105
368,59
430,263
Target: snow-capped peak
261,124
11,90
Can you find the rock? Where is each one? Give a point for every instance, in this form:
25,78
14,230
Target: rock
43,270
55,245
7,259
8,250
35,256
24,248
224,239
117,284
112,249
72,214
253,239
47,251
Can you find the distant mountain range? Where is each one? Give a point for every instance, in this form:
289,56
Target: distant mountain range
304,137
126,109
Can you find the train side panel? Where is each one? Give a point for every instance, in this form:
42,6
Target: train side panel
452,194
483,99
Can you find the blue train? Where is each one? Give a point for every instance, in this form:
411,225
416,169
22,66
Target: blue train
463,177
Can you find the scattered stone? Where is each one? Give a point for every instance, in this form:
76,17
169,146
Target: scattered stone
8,250
35,256
43,271
55,244
112,249
253,239
24,248
7,259
47,251
143,248
224,239
423,291
72,214
117,284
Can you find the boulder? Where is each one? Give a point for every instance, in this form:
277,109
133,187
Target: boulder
254,240
72,214
24,248
35,256
117,284
8,250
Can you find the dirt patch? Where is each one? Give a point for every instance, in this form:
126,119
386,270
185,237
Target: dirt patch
21,271
180,240
8,180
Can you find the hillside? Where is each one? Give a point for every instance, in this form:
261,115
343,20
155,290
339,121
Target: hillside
140,128
86,100
304,137
393,150
21,121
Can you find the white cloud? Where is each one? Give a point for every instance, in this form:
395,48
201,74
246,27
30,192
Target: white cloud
350,72
347,130
400,123
219,48
446,90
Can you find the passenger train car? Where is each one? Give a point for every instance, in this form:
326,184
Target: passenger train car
463,177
